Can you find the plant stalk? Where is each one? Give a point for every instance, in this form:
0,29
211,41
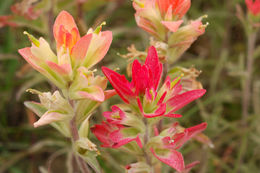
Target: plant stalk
248,78
75,136
146,139
246,99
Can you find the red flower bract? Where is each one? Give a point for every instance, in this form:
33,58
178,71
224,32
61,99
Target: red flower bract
143,91
110,135
253,6
176,7
173,142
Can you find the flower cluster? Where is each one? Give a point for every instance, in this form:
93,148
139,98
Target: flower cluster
145,104
165,145
143,91
147,99
163,20
79,92
253,14
157,16
70,70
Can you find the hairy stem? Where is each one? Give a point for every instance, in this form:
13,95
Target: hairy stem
146,139
75,136
246,97
248,78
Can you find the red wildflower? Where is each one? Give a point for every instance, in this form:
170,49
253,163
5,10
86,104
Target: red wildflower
111,135
171,143
253,6
143,90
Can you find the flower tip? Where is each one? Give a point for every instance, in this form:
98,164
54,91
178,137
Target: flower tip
204,16
20,51
64,13
36,124
204,26
151,48
33,91
25,33
99,28
105,69
32,39
204,125
203,91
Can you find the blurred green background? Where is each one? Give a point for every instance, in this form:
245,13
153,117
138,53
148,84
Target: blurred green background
220,54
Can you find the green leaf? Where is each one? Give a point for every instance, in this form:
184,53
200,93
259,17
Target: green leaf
92,161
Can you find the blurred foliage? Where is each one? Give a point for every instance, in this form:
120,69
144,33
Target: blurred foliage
219,54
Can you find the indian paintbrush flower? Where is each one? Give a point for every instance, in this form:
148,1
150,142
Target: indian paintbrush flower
145,104
164,146
73,51
80,91
163,20
70,70
253,14
157,16
143,92
253,6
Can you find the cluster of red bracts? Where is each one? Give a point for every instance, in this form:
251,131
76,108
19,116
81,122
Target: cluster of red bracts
253,6
126,122
143,91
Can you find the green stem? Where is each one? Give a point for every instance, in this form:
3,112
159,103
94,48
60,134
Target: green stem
146,140
247,94
248,78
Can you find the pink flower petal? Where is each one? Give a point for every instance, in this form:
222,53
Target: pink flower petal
41,66
48,118
174,159
181,100
173,26
140,77
63,70
109,93
181,7
139,142
120,83
159,111
79,51
31,59
190,166
98,48
173,115
102,132
146,25
163,5
155,67
119,140
66,20
115,116
93,92
181,138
